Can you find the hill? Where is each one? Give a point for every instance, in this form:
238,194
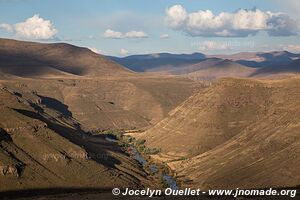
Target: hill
112,103
238,133
292,68
261,59
214,68
42,147
29,59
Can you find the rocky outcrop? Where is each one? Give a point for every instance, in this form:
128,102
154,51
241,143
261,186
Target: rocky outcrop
10,170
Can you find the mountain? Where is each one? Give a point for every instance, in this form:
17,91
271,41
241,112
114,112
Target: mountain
28,59
183,64
193,56
291,68
262,59
213,68
157,62
195,66
237,133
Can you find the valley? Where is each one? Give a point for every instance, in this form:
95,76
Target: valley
213,122
235,126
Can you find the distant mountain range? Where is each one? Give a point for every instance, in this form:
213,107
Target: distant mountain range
157,62
252,59
202,66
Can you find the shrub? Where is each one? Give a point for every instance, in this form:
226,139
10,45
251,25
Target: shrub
140,142
152,150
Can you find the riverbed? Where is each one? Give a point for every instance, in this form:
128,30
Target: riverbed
168,179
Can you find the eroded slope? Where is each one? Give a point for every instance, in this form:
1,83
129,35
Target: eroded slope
42,148
237,133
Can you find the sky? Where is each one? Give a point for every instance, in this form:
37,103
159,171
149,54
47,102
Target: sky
127,27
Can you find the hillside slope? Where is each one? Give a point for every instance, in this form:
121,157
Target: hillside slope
42,148
237,133
29,59
261,59
112,103
292,68
100,93
214,68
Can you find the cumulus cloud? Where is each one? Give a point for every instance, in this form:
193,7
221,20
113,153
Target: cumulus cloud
136,34
241,23
35,28
176,17
119,35
124,52
113,34
7,27
283,25
164,36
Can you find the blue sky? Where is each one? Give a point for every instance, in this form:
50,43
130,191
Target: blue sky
151,26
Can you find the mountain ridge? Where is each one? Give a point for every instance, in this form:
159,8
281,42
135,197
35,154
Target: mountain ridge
31,59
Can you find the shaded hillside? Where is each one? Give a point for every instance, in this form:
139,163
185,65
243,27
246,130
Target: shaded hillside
236,133
28,59
158,62
293,68
213,68
41,148
114,103
210,67
203,64
261,59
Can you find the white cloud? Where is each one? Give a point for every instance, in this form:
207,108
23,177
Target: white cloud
113,34
124,52
136,34
241,23
95,50
119,35
35,28
176,16
7,27
214,46
164,36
